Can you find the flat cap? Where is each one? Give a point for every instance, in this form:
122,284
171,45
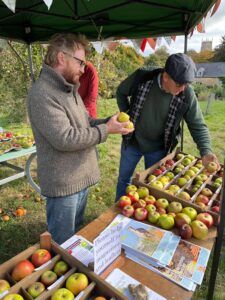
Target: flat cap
181,68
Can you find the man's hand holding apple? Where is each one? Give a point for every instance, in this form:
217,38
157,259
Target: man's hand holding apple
116,127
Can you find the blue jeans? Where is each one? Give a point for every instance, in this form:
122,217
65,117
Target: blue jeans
130,156
65,215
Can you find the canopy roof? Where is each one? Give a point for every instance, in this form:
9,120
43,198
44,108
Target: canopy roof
32,21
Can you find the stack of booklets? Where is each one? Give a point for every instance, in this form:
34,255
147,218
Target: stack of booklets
163,252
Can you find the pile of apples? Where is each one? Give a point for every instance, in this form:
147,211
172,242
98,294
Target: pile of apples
18,212
139,204
6,135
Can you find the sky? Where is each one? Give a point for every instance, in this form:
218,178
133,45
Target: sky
214,30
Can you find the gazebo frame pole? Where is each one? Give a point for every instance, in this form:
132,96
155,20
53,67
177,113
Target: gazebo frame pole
29,48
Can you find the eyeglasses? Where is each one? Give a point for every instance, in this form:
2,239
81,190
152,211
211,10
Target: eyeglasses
81,62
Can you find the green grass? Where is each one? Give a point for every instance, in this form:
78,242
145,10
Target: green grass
19,233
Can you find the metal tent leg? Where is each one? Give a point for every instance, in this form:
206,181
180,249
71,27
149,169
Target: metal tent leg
28,173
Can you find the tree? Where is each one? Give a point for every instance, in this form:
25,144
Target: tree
201,57
158,58
220,51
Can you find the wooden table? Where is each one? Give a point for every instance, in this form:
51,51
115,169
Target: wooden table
152,280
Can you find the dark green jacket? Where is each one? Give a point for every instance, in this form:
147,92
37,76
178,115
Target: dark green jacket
189,110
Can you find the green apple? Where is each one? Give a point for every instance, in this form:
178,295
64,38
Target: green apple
150,208
219,180
142,192
181,181
162,202
203,177
184,196
177,170
179,156
61,267
13,297
156,184
131,188
164,180
174,188
151,177
166,221
190,173
170,175
191,212
123,117
191,157
36,289
186,161
199,230
153,217
62,294
198,165
174,207
211,167
194,169
76,283
4,286
48,277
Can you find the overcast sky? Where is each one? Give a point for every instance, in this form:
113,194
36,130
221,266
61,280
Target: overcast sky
214,30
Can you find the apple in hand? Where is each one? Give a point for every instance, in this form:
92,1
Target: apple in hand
175,207
205,218
211,167
181,219
166,221
162,202
13,297
4,286
22,269
199,230
76,283
185,231
191,212
128,211
131,188
62,294
140,214
123,201
123,117
48,277
142,192
153,217
40,257
36,289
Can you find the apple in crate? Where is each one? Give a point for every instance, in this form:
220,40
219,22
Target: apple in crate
150,199
179,156
174,188
185,231
191,212
215,209
128,211
203,199
140,214
206,192
40,257
131,188
162,202
150,208
181,219
133,195
123,201
62,294
48,277
61,267
181,181
199,230
156,184
4,286
157,172
166,221
161,210
22,269
175,207
184,196
142,192
153,217
205,218
76,283
139,203
36,289
13,297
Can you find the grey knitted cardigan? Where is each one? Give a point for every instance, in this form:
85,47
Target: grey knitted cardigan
65,136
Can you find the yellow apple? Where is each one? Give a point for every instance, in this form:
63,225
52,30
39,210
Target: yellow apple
76,283
123,117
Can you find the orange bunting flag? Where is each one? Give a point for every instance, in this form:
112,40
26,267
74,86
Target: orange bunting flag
200,27
152,42
215,7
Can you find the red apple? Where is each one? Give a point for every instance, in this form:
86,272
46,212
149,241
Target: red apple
157,172
139,203
181,219
140,214
202,198
185,231
22,269
161,210
216,209
205,218
8,135
133,195
40,257
123,201
162,168
128,211
170,162
48,278
149,199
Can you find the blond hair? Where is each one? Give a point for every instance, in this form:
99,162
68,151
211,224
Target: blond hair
65,42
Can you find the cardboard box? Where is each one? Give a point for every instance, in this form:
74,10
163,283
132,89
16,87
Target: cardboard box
97,286
141,179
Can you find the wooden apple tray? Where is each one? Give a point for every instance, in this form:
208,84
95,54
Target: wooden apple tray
141,179
97,286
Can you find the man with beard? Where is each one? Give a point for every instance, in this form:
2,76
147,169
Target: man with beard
65,135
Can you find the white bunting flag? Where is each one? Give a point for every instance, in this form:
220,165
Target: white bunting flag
11,4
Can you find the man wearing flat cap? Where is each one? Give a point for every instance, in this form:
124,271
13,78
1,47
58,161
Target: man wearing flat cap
157,101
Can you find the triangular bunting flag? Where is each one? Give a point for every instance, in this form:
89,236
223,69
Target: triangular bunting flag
215,7
159,41
48,3
143,44
11,4
168,39
137,44
152,42
173,38
201,27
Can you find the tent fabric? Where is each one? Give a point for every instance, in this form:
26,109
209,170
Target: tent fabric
32,21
